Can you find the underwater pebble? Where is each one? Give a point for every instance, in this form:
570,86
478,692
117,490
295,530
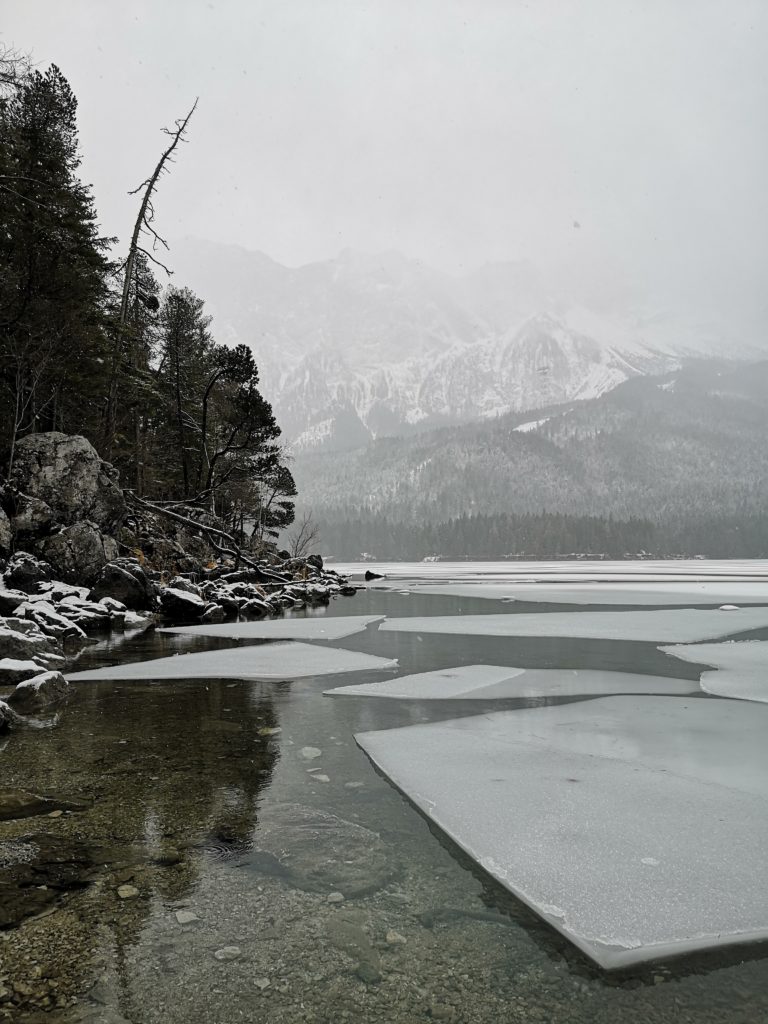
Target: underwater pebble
127,892
228,953
186,917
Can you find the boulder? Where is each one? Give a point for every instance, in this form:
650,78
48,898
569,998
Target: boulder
67,473
181,606
49,620
10,600
13,671
25,572
182,583
127,582
29,647
39,692
5,534
213,613
315,560
8,717
33,518
79,552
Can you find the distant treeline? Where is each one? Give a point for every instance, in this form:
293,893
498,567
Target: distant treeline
545,536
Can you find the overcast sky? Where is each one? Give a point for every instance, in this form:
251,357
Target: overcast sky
456,132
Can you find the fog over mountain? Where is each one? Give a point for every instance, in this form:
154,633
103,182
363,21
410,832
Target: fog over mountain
365,345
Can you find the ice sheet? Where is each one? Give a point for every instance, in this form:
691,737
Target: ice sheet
680,625
636,826
495,682
739,669
658,594
644,571
263,661
311,628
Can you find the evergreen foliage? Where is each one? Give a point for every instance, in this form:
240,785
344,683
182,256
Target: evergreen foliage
180,415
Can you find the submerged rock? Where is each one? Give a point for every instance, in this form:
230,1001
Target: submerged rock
20,803
320,852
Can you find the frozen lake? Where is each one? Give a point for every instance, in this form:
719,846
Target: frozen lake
248,804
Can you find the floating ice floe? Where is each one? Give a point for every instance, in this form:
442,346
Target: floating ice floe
314,628
738,669
636,826
679,625
267,662
496,682
637,594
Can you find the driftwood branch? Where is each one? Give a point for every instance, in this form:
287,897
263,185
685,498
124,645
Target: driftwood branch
212,534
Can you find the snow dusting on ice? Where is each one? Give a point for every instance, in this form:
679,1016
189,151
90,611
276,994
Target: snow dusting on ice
636,826
267,661
495,682
316,628
738,669
680,625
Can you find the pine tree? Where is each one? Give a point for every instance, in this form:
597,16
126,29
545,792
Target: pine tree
53,267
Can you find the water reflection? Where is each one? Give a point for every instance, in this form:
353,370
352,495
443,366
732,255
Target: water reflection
188,781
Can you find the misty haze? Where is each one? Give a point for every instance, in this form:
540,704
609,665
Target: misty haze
383,512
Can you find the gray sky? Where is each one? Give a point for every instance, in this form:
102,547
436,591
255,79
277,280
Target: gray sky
456,132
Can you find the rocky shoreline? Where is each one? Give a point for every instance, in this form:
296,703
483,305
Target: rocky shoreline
79,557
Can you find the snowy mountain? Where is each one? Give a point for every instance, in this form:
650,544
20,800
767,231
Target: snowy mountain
366,346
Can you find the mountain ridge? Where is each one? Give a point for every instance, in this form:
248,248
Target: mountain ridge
363,346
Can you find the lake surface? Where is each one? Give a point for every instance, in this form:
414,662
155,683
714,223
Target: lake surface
204,799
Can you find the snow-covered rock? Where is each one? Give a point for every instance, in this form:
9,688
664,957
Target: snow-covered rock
125,581
15,670
178,604
39,692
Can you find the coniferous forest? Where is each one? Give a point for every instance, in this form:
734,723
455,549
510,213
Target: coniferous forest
96,341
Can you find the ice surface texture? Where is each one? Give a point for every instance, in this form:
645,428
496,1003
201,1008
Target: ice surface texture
637,827
739,669
651,594
264,661
314,628
495,682
680,625
645,571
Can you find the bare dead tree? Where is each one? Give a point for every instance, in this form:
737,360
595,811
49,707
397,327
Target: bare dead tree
142,226
147,211
302,536
13,66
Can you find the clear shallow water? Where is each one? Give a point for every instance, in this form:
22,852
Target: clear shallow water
201,806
